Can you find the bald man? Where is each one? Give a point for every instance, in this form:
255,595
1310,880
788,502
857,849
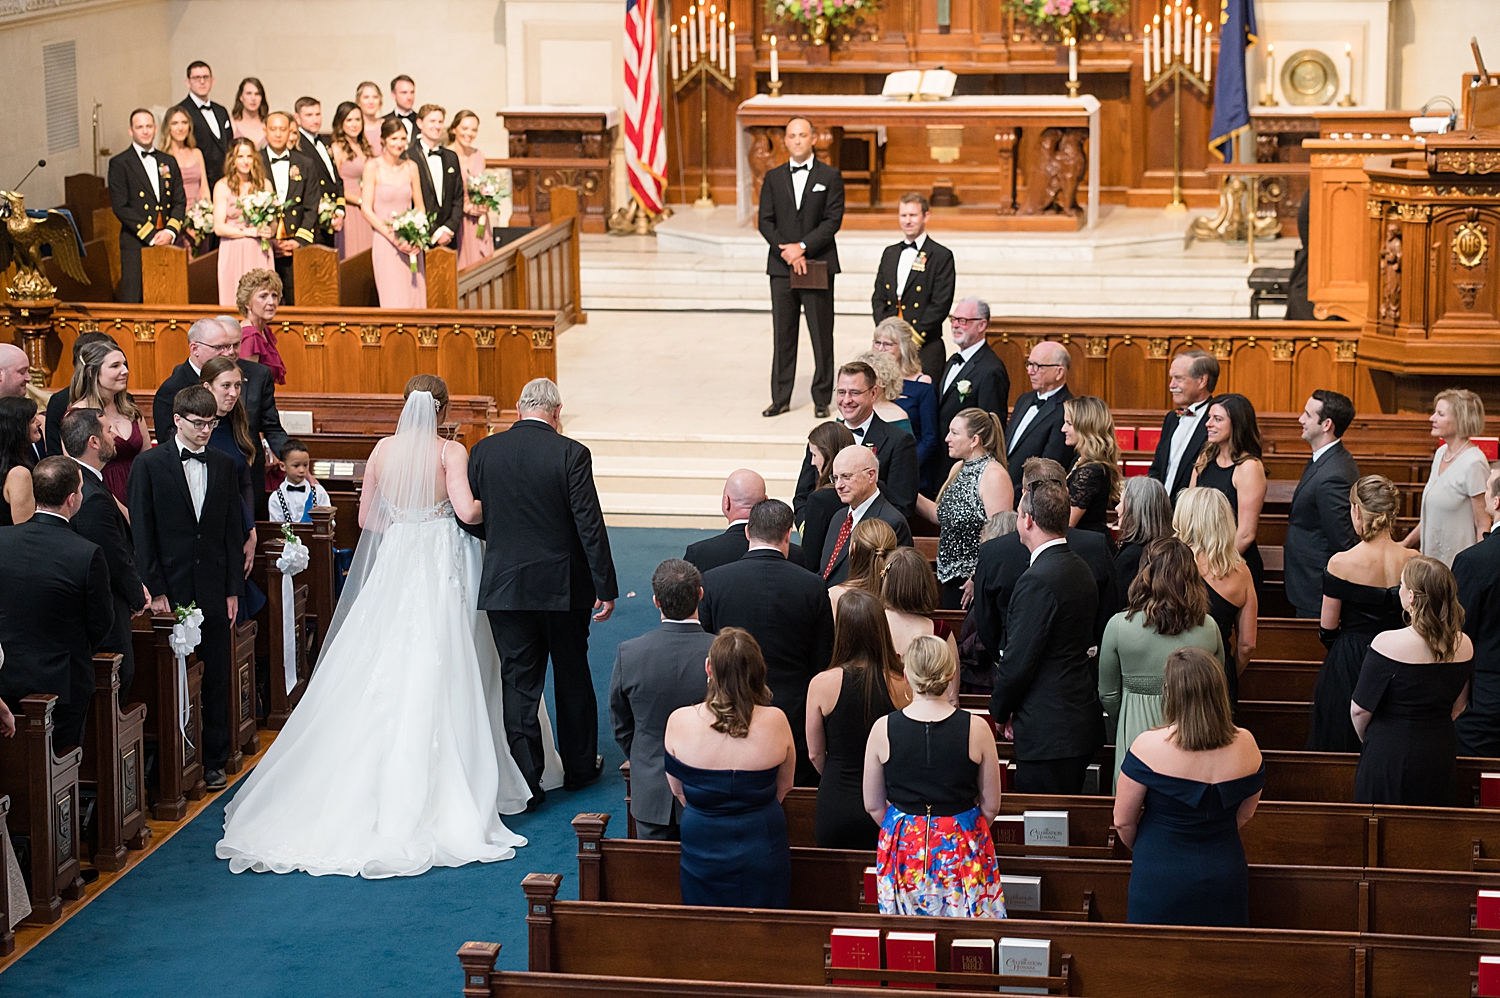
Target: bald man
15,371
1035,428
742,490
856,479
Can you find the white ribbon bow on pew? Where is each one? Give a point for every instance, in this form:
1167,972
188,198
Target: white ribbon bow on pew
294,558
186,634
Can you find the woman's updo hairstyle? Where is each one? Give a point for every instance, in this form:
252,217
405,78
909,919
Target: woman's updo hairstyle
929,665
1379,503
432,385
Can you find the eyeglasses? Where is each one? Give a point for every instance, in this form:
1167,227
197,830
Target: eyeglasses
846,478
849,393
964,319
1037,367
202,424
200,77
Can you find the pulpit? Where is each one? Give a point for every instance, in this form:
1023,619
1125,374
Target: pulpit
560,145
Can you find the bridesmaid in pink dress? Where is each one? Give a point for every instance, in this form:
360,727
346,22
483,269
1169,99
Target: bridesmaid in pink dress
247,119
177,139
472,248
370,100
351,150
239,246
390,187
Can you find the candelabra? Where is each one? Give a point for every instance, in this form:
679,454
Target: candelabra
1182,42
701,52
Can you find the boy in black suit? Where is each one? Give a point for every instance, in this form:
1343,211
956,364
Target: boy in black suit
801,209
323,175
212,128
186,515
915,282
1035,428
442,182
145,191
293,175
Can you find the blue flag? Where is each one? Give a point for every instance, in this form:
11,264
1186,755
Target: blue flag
1231,101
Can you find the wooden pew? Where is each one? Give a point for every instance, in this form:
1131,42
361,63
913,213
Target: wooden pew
1288,639
282,701
1103,960
1276,724
114,765
320,572
1274,679
179,765
43,791
7,937
244,740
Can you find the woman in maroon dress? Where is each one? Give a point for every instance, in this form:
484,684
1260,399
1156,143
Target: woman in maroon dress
102,381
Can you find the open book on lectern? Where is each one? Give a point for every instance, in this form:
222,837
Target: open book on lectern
916,84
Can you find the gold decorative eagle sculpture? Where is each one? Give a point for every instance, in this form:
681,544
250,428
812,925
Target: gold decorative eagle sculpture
21,241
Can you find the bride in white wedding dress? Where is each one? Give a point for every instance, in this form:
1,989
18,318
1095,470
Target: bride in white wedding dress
395,761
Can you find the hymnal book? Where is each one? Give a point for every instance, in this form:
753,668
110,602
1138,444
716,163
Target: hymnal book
1125,437
297,421
816,278
1488,910
1137,469
972,956
1046,828
1009,830
914,84
1021,893
857,949
911,951
872,890
984,715
1489,977
1025,958
1489,789
1488,446
1147,437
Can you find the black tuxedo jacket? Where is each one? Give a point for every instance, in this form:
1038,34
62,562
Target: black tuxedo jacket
189,559
928,295
1477,570
451,211
1043,438
327,182
259,397
409,119
815,223
299,211
57,408
1318,526
548,549
1004,560
55,613
895,451
880,510
215,148
721,549
989,385
1163,456
1045,677
136,205
99,520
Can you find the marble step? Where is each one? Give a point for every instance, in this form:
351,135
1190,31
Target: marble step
638,475
729,450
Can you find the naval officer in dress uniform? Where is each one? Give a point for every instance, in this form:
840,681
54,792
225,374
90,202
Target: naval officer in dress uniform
915,282
145,191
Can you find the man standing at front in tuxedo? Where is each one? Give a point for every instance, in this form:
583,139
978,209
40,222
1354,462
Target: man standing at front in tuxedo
801,209
211,127
915,282
292,174
1035,428
1191,379
437,169
145,191
974,378
1318,524
404,94
324,175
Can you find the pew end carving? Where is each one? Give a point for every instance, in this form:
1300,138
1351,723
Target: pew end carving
541,899
114,764
44,806
157,684
244,740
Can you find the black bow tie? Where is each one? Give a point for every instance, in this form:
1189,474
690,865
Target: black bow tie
284,157
407,115
909,245
804,166
858,431
188,455
296,488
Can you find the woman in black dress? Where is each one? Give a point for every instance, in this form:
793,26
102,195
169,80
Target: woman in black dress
823,445
1413,683
1204,523
1094,481
1360,599
1230,463
842,705
1144,514
19,429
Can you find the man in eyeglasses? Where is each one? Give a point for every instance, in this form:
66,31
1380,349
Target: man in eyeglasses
973,378
1035,428
895,451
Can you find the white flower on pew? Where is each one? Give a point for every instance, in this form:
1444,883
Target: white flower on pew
293,559
186,634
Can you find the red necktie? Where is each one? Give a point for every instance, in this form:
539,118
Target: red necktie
838,545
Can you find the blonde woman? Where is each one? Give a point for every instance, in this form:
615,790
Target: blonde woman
1453,513
242,248
1203,522
177,141
1094,481
1413,683
977,488
888,389
918,396
370,100
869,543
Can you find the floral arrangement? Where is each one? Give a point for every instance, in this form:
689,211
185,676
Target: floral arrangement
326,212
836,13
200,220
486,191
411,226
260,208
1068,17
188,613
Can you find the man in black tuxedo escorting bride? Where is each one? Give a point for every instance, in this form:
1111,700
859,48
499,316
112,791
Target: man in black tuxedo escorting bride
547,573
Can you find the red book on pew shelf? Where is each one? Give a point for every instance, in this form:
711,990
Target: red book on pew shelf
1137,469
1488,908
1147,437
872,890
911,951
1489,789
1009,830
972,956
1489,977
1488,446
1125,437
857,949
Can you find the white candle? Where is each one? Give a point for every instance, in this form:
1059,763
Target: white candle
673,59
1197,45
689,48
701,28
1146,52
775,65
1270,72
713,34
732,46
1156,46
1166,39
1177,30
723,45
1208,52
1349,69
1072,60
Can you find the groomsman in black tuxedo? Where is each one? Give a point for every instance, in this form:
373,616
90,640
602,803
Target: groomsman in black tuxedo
1318,524
442,181
895,450
91,442
58,611
915,282
974,377
1035,428
324,176
801,209
293,174
145,191
212,129
188,524
404,94
1190,379
1477,571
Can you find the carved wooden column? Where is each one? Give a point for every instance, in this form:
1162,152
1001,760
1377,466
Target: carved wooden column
32,321
1005,150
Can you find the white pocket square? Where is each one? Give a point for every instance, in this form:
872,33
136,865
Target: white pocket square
819,187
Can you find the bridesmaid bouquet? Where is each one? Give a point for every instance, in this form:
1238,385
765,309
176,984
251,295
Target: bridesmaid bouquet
410,226
486,191
260,208
326,210
200,220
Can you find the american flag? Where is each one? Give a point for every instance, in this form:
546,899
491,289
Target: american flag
645,143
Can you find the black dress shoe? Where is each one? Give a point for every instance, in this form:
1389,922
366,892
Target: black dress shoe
538,798
775,410
588,779
88,876
214,779
820,411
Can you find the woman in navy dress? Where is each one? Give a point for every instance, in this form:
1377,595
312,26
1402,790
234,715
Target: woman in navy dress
222,377
1185,790
918,398
730,761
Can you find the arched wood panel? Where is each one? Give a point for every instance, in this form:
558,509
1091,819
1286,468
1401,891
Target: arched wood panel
341,347
1128,376
398,356
293,350
458,362
1249,372
1313,368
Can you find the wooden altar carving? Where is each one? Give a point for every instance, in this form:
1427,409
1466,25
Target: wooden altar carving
1052,181
570,147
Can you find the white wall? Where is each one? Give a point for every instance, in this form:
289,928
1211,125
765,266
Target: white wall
1431,45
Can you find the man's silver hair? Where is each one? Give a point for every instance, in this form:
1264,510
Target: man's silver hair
980,305
540,394
229,320
203,329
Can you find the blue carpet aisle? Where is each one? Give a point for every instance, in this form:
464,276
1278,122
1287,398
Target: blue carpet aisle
182,925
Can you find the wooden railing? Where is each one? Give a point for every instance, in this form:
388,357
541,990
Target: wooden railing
539,271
